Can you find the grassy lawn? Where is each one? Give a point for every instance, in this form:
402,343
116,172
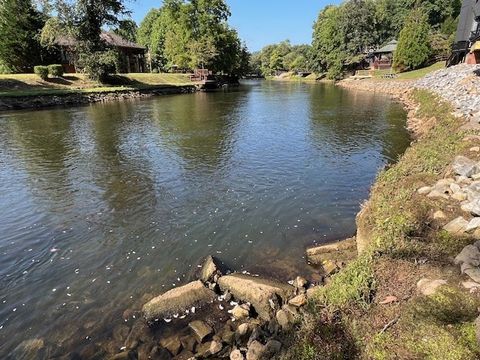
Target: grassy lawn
417,74
408,75
32,85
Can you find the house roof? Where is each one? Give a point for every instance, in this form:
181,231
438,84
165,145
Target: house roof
388,48
110,38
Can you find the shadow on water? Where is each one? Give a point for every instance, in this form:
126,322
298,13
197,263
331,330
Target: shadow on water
105,206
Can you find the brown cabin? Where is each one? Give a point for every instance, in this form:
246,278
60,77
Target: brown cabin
382,58
132,55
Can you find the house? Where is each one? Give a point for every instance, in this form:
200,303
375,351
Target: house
382,58
131,55
467,41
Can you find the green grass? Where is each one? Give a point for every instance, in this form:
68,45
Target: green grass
15,85
397,219
417,74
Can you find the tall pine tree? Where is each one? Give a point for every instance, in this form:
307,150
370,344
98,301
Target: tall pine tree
20,25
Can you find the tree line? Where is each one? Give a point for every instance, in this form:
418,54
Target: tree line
343,34
183,34
187,34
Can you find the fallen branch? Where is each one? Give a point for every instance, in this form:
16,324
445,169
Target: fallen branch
389,325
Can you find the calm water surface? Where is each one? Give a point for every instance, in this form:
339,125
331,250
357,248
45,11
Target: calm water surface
100,205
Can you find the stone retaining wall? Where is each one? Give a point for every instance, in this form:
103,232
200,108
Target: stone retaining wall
41,101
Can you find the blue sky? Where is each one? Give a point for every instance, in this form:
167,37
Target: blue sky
261,22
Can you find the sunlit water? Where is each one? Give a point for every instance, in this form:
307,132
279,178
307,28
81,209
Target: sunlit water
102,204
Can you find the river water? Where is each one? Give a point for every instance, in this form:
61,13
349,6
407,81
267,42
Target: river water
102,204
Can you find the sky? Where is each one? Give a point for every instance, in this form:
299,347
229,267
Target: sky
260,22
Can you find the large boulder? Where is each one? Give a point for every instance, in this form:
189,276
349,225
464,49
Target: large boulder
265,295
464,166
178,300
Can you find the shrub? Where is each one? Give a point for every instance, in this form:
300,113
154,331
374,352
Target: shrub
41,71
55,70
98,65
4,69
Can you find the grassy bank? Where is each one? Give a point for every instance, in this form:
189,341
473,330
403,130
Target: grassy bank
32,85
347,319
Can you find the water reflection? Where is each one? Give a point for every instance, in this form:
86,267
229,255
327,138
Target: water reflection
103,204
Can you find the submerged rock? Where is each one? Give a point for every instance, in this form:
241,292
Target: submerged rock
341,251
178,300
210,268
264,294
29,350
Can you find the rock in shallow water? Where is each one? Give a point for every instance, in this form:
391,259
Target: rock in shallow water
178,300
263,294
200,329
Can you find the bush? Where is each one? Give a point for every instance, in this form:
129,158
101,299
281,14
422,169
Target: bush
98,65
41,71
55,70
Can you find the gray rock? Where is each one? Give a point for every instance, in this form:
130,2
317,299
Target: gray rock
473,273
284,318
263,294
241,312
236,355
125,355
29,350
424,190
428,287
299,300
255,351
209,269
272,348
464,166
243,332
300,282
188,342
172,344
140,333
469,255
473,224
439,215
178,300
200,329
159,353
456,226
209,349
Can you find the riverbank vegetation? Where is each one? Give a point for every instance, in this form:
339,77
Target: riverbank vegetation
181,35
372,308
193,34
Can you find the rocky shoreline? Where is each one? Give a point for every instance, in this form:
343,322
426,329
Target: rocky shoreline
72,99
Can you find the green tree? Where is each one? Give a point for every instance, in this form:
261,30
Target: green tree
413,48
188,34
20,25
127,29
